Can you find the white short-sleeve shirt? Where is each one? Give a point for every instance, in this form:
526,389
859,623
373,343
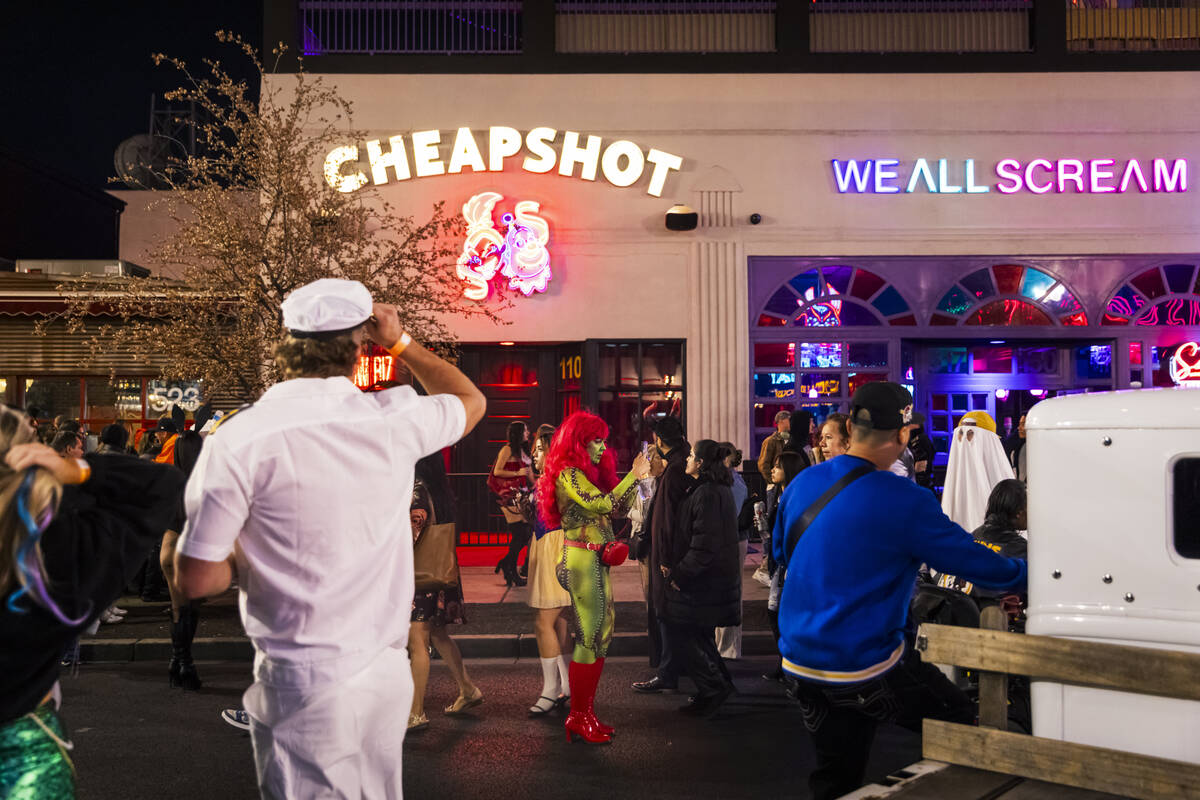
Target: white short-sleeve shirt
313,483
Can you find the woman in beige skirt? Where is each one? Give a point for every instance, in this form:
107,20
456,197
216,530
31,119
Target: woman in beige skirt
549,600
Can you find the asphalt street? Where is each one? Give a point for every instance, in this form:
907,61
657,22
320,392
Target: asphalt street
137,738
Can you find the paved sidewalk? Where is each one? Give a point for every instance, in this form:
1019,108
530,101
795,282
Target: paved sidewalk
499,622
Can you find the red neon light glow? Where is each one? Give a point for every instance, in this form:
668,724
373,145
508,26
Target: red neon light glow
371,370
1185,364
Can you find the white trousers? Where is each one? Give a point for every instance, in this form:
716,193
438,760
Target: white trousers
729,640
333,741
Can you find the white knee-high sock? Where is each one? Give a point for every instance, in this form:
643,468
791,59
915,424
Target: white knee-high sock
550,678
561,661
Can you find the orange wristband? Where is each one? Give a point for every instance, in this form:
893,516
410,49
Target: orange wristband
401,344
85,471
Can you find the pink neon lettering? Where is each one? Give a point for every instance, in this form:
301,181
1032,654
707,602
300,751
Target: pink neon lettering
1009,170
1096,174
1034,187
1177,177
1133,169
1070,169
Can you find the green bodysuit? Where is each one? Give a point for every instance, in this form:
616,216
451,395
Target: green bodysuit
585,512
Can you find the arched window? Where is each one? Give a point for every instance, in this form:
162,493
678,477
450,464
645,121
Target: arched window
1166,295
1009,294
835,296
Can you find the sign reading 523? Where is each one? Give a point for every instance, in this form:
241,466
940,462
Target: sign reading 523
163,395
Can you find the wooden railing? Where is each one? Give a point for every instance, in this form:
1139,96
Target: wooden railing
997,653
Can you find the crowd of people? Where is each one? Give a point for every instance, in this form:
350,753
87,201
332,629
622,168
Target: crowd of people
290,499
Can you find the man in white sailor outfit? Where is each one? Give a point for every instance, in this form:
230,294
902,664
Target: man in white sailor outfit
300,497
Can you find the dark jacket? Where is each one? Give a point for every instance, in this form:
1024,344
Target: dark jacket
96,541
669,495
705,561
1001,538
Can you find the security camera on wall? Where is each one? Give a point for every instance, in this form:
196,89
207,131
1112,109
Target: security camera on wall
682,218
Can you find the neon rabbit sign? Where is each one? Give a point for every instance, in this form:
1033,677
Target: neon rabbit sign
520,253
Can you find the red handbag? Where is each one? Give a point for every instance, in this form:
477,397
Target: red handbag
614,553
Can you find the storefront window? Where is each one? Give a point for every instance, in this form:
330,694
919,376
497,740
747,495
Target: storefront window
823,355
1037,360
948,361
992,360
48,398
867,354
820,384
639,383
1093,362
775,354
1135,362
775,385
857,379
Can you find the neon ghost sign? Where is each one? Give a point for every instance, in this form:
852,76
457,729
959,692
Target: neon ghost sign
519,253
1185,365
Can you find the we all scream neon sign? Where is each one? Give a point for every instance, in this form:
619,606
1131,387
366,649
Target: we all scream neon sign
621,162
1010,176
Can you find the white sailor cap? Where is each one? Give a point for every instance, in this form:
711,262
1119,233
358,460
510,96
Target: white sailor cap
326,308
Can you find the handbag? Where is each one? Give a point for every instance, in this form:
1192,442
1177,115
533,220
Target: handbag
614,554
435,559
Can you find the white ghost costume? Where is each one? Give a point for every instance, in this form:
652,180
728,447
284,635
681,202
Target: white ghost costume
977,463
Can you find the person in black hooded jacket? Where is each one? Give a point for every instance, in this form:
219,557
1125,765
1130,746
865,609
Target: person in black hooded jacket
703,576
80,529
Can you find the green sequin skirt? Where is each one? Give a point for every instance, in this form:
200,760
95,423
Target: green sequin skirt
33,766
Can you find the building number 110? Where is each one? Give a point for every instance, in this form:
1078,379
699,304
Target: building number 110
572,368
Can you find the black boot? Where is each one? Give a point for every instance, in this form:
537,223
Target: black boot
182,671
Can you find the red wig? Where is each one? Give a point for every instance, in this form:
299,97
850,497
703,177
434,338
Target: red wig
569,449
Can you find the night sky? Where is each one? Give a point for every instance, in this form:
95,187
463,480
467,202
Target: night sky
76,78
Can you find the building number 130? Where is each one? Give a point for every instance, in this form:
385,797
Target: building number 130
571,368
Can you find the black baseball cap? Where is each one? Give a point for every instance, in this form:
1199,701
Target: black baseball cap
888,406
165,426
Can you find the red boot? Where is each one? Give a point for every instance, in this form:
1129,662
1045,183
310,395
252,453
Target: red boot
609,729
581,721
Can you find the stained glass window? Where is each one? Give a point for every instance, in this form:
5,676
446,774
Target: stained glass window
1038,298
820,298
1158,296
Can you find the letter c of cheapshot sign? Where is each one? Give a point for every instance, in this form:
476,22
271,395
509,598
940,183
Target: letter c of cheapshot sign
540,150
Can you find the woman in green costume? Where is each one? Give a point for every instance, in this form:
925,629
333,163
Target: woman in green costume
579,491
72,531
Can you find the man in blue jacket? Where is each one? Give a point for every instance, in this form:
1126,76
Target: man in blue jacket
850,576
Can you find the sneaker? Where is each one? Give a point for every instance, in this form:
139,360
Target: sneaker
236,717
762,577
120,612
109,618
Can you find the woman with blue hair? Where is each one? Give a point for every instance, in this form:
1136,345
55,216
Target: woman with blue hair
72,531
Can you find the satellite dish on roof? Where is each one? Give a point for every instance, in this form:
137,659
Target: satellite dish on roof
141,160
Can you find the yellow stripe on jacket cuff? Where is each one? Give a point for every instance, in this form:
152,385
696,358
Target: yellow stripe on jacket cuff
833,676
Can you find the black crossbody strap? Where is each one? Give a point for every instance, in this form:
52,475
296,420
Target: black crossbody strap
801,525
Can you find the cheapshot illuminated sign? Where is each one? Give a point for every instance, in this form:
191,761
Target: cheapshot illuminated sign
541,150
1010,176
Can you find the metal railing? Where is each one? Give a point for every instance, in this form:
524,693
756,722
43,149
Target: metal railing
920,26
400,26
665,26
1132,25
